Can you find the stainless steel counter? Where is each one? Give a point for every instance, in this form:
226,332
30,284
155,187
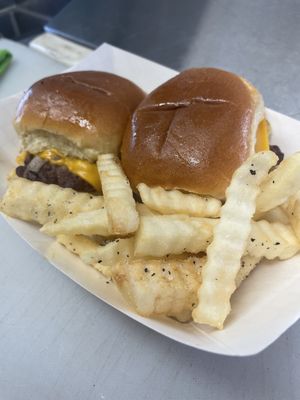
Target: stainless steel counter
258,39
59,342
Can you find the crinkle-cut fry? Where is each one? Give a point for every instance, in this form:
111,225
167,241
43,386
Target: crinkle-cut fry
230,240
282,182
144,210
41,203
179,234
160,235
118,250
247,265
83,246
122,215
292,209
85,223
272,240
176,202
160,287
167,287
277,214
101,257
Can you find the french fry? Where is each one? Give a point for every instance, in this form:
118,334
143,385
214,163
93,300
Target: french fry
282,182
179,234
122,215
160,235
101,257
167,287
160,287
292,209
86,223
84,246
247,265
118,250
176,202
277,214
144,210
41,203
230,240
272,240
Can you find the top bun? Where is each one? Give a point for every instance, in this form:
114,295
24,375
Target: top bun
193,132
82,114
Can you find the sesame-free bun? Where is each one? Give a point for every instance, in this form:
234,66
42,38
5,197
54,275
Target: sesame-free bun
192,132
81,113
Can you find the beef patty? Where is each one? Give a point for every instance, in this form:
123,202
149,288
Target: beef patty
37,169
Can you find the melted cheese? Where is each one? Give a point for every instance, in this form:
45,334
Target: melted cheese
86,170
21,158
262,136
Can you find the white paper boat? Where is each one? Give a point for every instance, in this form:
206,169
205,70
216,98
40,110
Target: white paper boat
267,303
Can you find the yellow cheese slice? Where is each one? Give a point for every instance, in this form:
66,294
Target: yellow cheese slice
262,136
21,158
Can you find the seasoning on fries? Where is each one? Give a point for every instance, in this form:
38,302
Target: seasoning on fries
175,196
230,240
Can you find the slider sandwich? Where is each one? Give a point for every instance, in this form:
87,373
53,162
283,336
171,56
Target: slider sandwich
65,121
193,132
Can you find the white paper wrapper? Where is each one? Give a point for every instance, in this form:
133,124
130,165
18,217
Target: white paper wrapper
267,303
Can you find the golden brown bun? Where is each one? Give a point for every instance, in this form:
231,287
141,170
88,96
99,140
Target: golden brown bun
88,110
192,132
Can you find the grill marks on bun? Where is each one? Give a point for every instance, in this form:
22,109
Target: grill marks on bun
192,132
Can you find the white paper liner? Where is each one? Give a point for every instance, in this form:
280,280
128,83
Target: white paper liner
267,303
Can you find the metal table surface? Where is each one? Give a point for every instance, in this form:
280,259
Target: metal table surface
59,342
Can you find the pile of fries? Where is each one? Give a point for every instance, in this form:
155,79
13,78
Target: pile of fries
174,254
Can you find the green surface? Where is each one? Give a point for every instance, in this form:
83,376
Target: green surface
5,60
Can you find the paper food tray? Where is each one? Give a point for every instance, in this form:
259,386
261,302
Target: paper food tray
266,304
